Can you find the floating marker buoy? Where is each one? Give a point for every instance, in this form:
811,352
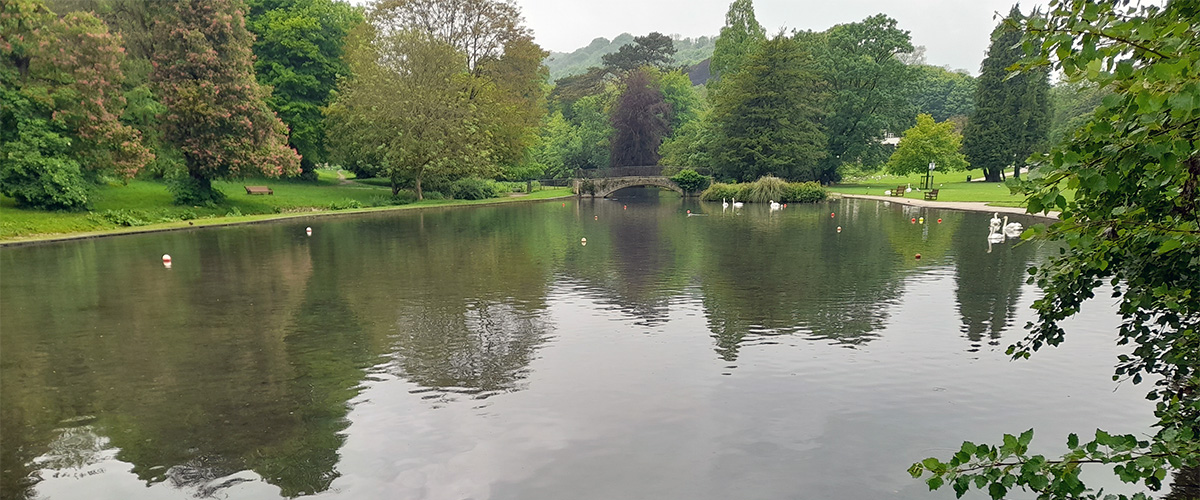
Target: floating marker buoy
830,215
922,220
564,204
626,207
166,261
914,220
839,229
308,231
597,217
918,256
939,221
689,212
583,241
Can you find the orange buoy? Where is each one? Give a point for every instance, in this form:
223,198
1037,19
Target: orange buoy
914,220
918,256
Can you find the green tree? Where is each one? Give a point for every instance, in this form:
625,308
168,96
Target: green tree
1133,222
1012,114
691,145
1072,105
766,113
640,120
407,105
61,80
927,141
216,111
654,50
555,139
942,93
868,87
686,103
298,52
738,39
595,131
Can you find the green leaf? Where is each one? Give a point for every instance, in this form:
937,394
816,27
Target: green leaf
1168,245
1072,441
997,491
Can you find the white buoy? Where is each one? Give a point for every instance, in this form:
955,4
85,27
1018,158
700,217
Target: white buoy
166,261
839,229
308,231
583,241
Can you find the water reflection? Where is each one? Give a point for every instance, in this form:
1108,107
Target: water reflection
269,363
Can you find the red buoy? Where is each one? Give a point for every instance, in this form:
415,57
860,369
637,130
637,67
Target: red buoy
918,256
939,221
914,220
626,207
830,215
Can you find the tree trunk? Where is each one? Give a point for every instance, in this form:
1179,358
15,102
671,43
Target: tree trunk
991,174
420,195
395,187
1017,170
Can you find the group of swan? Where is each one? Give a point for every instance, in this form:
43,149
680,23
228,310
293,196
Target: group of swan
999,229
736,204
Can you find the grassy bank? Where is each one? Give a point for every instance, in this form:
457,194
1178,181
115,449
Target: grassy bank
951,187
146,206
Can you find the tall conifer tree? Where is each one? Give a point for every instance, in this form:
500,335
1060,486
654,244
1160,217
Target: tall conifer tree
1012,115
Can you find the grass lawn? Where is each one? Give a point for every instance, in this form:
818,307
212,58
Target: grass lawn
147,205
951,187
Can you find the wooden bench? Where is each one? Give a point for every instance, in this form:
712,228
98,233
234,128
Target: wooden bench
931,194
899,191
259,190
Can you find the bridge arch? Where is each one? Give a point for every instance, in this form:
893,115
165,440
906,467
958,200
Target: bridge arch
605,187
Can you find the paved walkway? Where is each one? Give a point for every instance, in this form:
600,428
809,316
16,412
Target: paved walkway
969,206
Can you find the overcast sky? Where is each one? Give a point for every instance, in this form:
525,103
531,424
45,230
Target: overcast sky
954,32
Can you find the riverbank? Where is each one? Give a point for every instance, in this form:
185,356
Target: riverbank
230,220
967,206
996,194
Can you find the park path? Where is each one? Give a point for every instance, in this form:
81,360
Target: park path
970,206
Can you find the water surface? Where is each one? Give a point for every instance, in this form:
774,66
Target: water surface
486,353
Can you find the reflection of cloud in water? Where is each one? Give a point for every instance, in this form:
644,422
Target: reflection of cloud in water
75,450
81,463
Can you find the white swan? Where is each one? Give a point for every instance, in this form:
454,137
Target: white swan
1012,229
774,206
887,192
737,204
724,204
909,190
995,238
995,225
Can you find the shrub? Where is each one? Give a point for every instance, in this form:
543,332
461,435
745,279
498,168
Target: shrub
191,191
720,191
434,195
187,214
42,181
345,204
769,188
691,181
236,212
764,190
122,217
404,197
804,192
472,189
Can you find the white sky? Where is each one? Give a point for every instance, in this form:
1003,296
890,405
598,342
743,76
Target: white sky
954,32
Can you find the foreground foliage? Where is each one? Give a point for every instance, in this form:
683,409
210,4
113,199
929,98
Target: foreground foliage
1134,222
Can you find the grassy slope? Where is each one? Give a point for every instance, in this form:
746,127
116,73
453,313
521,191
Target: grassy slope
951,187
150,202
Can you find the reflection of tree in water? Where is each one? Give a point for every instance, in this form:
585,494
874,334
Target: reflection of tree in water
479,348
636,262
989,282
796,275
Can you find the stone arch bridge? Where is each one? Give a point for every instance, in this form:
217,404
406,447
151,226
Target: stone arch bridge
603,182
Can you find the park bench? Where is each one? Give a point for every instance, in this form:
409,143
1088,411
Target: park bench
259,190
899,191
931,194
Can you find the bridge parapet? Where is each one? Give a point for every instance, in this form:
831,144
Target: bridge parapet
605,186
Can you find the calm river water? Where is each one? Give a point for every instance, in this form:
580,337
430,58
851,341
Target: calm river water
485,353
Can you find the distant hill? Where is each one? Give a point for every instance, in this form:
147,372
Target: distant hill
688,52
